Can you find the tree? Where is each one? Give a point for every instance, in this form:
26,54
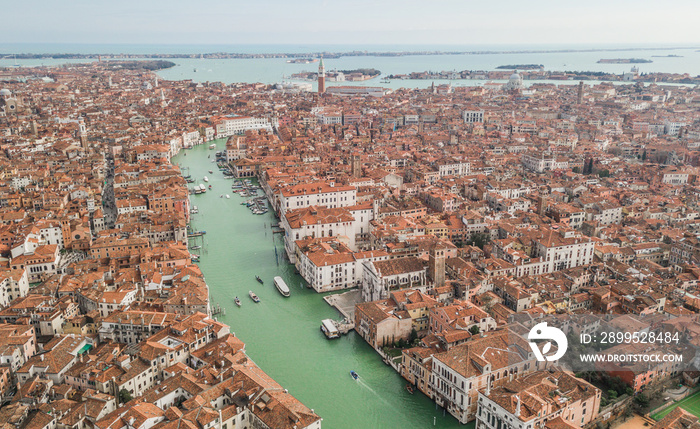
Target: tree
488,303
124,396
604,173
479,239
414,337
474,330
641,400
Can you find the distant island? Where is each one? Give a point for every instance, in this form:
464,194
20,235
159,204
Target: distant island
141,65
521,67
366,72
326,54
667,56
624,61
303,61
550,75
356,75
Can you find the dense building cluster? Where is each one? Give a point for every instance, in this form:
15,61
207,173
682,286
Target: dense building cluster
463,216
106,321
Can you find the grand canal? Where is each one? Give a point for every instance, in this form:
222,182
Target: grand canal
282,334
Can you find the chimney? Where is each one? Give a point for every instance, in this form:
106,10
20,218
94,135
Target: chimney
517,406
488,386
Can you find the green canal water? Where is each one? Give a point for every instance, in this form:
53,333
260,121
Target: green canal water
282,334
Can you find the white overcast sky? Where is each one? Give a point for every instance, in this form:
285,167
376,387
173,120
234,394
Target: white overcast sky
410,22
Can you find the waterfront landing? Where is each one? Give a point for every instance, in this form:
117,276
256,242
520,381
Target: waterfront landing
345,303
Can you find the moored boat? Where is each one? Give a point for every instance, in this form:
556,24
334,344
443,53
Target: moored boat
281,286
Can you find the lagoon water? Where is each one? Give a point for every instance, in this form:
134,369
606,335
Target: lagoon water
271,70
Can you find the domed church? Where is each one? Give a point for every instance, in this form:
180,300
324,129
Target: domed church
515,83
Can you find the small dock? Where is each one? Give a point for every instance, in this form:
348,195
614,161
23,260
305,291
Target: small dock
216,309
334,329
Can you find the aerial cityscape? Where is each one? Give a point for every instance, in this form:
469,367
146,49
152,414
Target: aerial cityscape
440,217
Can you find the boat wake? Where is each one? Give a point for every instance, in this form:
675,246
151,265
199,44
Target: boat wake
361,382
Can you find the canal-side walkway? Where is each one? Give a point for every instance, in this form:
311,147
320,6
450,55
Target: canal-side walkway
345,303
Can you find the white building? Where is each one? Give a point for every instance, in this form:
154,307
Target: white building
453,168
316,194
458,374
327,264
675,177
533,401
191,138
381,277
13,284
473,116
563,249
315,221
540,164
228,126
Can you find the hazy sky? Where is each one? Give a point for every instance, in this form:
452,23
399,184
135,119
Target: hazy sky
463,22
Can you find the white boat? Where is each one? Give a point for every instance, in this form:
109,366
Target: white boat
212,146
206,179
228,196
281,286
253,296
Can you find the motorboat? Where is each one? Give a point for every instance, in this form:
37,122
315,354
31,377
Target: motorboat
211,171
206,179
253,296
354,375
228,196
221,196
197,247
237,301
258,279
